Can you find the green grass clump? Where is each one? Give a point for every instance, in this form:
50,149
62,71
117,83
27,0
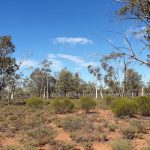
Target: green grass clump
121,145
125,107
144,105
109,99
71,123
87,103
62,105
130,132
34,102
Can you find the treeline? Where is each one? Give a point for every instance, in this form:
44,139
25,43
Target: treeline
111,79
114,75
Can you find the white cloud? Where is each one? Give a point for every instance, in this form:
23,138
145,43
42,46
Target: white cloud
73,40
139,33
29,63
73,58
51,56
79,61
57,65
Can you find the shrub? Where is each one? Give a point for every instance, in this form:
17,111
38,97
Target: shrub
42,135
87,103
139,125
146,148
11,147
109,100
121,145
129,132
35,102
112,127
62,105
71,123
124,107
103,137
144,105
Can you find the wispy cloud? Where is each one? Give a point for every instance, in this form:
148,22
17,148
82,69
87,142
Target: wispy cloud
73,58
79,61
139,33
29,63
73,40
57,65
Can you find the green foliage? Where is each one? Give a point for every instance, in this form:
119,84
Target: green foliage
144,105
121,145
146,148
11,147
64,84
62,105
129,132
112,127
125,107
103,138
87,103
71,123
43,135
109,99
34,102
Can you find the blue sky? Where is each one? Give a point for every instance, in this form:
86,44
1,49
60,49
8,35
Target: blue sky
67,32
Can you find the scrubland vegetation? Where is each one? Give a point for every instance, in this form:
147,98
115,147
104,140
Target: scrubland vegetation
65,124
48,111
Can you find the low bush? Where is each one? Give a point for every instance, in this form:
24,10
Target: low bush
144,105
62,105
129,132
146,148
71,123
112,127
103,137
109,99
121,145
42,135
11,147
35,102
125,107
87,103
139,125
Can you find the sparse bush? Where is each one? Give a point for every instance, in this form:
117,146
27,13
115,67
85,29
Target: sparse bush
125,107
62,105
34,102
129,132
109,99
121,145
146,148
87,103
59,145
139,125
112,127
88,146
43,135
144,105
103,138
71,123
12,147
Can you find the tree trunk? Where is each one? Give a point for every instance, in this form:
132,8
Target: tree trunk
142,92
96,92
44,93
101,94
47,90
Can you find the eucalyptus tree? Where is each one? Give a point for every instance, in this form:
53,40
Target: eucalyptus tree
96,71
137,11
134,82
64,82
8,65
